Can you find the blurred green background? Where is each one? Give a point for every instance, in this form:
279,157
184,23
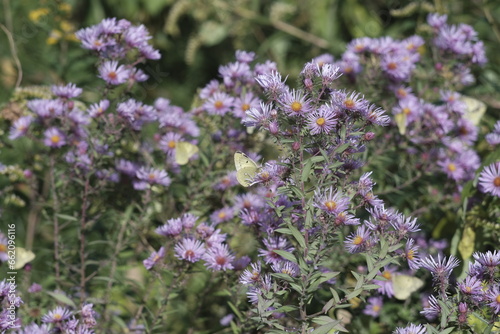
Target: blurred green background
196,36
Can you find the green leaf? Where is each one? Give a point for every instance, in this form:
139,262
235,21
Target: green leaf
286,255
235,311
62,298
284,230
354,293
298,236
306,171
448,330
67,217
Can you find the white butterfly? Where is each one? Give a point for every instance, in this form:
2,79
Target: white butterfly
405,285
246,168
184,151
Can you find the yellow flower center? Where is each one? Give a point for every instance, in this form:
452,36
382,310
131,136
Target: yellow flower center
171,144
452,167
410,254
498,299
296,106
255,276
406,111
245,107
331,205
55,139
402,92
3,248
376,308
358,240
218,104
156,258
349,103
392,66
468,289
387,274
151,176
496,181
320,121
112,75
222,215
348,69
57,316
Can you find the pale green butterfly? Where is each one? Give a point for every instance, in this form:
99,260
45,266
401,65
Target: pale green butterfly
246,168
23,256
405,285
475,109
184,151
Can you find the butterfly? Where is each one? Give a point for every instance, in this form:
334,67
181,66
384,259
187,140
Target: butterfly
23,257
405,285
401,122
246,168
475,109
184,151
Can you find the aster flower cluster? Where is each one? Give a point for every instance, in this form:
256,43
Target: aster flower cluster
10,302
63,320
477,292
195,241
116,40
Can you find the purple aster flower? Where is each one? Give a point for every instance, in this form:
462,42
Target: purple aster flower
259,116
488,259
250,217
127,167
489,179
204,230
272,84
344,218
349,64
323,59
153,176
359,45
227,181
266,68
471,286
35,329
286,267
188,249
330,201
222,215
97,109
20,127
396,67
294,103
374,306
251,276
248,201
453,169
215,239
479,54
113,73
243,103
322,120
241,263
218,104
493,138
272,244
358,241
411,107
168,142
466,131
46,108
244,56
154,258
386,287
210,89
54,137
57,315
234,72
375,115
34,288
437,21
148,52
69,91
441,268
173,227
328,73
411,254
218,258
405,225
188,221
136,36
137,75
493,298
91,38
411,329
350,102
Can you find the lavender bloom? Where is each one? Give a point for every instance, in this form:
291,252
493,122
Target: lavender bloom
493,299
222,215
113,73
46,108
294,103
411,329
20,127
286,267
386,287
218,104
218,258
374,306
188,249
471,286
172,228
69,91
153,176
489,179
272,244
322,120
57,315
331,202
98,109
54,138
358,241
411,254
493,138
251,276
154,258
440,269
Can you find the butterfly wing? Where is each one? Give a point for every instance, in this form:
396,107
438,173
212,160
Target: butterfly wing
184,151
401,122
475,109
246,168
405,285
23,257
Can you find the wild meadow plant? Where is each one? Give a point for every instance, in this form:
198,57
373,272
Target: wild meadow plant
306,245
